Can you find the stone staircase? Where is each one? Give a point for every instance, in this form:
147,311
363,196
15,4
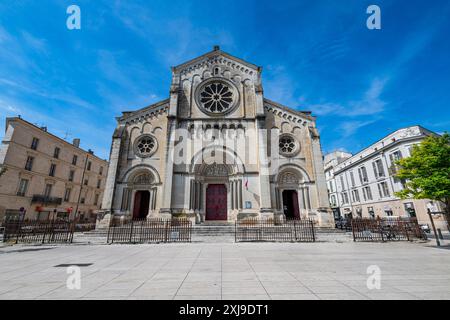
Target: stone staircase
333,235
97,236
215,232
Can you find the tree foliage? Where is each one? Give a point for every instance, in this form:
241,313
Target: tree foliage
427,170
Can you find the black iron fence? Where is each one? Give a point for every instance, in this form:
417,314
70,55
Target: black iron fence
387,229
292,230
34,231
150,230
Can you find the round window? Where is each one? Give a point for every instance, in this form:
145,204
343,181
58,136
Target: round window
217,97
288,145
145,146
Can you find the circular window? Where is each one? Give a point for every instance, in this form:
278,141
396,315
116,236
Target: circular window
145,146
217,96
288,145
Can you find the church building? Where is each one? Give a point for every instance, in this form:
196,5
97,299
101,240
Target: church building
216,150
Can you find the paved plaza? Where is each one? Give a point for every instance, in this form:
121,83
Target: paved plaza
227,271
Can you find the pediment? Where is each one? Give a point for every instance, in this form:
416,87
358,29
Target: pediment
150,111
303,117
220,58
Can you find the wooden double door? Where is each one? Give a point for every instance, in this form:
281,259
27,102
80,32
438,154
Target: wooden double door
141,204
216,202
290,204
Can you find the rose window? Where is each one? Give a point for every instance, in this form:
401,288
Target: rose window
288,145
217,96
145,146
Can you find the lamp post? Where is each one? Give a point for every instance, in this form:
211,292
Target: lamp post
438,243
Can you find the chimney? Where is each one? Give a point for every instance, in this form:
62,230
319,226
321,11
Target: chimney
76,142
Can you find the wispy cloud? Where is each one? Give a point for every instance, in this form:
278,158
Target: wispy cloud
370,103
34,43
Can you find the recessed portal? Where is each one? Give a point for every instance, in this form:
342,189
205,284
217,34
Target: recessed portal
290,204
141,204
216,202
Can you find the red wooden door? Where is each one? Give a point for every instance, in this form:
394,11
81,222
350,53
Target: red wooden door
295,204
137,205
216,202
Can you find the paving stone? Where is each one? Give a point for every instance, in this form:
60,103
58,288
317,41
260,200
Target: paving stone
204,271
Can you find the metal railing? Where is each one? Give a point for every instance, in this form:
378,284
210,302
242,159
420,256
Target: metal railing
37,198
150,230
34,231
386,229
293,230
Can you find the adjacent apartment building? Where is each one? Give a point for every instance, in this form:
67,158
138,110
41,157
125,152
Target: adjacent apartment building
45,176
364,185
331,161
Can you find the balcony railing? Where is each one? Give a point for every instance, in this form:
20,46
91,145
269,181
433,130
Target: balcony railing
37,198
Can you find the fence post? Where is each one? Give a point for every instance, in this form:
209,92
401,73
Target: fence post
131,231
405,227
313,231
380,227
166,227
19,229
353,231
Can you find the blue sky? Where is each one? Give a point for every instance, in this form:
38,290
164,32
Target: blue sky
316,55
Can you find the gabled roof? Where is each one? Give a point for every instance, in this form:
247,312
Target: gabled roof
129,114
216,51
303,114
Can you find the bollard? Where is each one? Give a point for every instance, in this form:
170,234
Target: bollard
440,234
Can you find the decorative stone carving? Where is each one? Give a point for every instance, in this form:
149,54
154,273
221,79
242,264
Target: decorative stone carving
217,96
216,170
143,179
289,178
145,146
288,144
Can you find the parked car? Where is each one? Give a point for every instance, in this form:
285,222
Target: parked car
425,228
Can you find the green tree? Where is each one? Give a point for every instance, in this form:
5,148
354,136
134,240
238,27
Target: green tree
427,171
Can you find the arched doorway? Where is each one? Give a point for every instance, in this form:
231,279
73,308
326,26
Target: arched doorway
216,202
141,204
290,204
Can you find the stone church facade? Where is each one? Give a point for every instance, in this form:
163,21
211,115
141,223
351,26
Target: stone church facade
216,150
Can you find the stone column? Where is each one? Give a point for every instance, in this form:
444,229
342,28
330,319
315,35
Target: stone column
110,186
165,210
325,215
266,203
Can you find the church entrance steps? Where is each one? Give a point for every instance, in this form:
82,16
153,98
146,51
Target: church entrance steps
215,233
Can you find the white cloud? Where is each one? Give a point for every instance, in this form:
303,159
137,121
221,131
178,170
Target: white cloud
37,44
369,104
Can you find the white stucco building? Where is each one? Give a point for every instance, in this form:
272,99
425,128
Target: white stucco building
216,150
331,160
366,184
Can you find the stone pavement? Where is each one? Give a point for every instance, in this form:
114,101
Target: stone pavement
241,271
